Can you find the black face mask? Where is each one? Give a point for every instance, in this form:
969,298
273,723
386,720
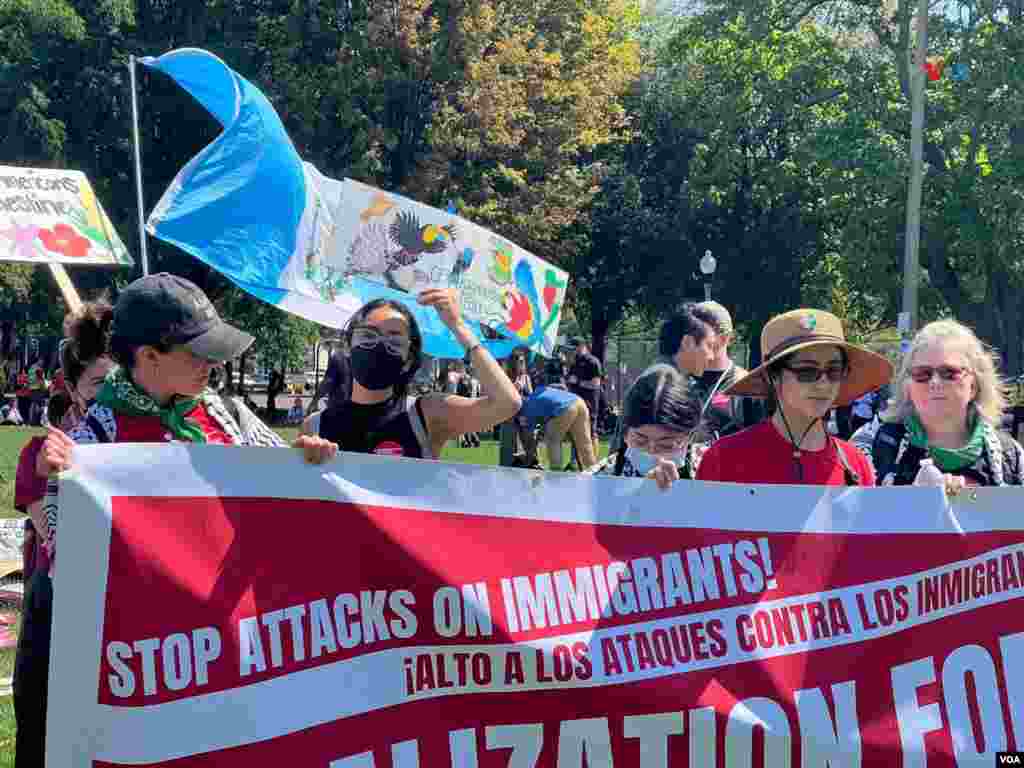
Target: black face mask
376,368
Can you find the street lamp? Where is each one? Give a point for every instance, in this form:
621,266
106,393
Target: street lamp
707,266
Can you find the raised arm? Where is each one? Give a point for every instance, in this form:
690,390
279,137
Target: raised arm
449,416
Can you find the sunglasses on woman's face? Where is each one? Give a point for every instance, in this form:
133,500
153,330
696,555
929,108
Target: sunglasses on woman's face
923,374
809,374
368,337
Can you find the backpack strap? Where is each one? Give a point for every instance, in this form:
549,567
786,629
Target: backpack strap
850,475
886,449
418,422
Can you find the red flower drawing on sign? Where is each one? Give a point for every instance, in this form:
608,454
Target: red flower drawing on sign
65,240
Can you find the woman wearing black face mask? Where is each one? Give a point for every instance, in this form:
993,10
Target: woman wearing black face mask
371,412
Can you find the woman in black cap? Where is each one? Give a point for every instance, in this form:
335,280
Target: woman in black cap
165,337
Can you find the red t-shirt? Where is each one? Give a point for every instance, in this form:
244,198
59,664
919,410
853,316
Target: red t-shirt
761,455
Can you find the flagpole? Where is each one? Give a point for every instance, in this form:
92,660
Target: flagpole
911,261
138,169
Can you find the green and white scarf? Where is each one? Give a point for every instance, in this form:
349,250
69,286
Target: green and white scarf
122,395
949,459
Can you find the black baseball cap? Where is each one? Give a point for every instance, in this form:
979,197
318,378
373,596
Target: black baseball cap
165,308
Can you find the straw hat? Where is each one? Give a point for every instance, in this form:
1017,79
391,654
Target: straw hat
803,328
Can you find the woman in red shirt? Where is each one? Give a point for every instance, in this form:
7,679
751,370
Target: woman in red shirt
808,369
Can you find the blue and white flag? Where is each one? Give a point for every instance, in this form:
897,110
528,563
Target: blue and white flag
249,207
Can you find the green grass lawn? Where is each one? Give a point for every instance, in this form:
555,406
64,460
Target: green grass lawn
12,439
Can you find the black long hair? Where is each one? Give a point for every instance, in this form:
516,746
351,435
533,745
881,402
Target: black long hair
342,392
661,399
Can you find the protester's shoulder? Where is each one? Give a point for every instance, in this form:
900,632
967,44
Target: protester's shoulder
31,447
1013,455
232,412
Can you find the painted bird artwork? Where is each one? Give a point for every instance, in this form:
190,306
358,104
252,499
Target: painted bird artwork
524,311
462,265
414,241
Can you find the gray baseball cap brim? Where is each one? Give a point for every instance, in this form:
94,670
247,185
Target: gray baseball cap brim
221,343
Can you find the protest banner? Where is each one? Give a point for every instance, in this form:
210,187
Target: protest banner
52,216
249,207
240,608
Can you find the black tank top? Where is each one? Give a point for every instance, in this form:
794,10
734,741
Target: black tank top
395,427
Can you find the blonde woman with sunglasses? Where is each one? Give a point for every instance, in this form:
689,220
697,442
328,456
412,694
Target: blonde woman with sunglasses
948,402
808,369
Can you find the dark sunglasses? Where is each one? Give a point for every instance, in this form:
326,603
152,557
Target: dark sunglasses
808,374
923,374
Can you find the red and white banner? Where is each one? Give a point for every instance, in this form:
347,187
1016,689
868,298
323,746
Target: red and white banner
235,607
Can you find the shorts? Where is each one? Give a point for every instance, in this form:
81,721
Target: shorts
592,398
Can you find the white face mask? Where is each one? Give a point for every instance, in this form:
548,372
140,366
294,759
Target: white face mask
643,462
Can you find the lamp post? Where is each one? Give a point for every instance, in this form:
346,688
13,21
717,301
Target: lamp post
707,266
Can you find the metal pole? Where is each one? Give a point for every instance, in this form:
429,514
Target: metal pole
138,170
917,80
316,369
707,291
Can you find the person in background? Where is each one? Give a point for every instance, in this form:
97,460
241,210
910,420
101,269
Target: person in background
57,383
383,348
519,373
723,415
469,386
23,393
661,420
164,335
296,412
39,390
865,408
948,403
584,380
687,345
562,414
808,368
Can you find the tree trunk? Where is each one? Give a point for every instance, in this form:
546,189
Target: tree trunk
599,327
998,321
